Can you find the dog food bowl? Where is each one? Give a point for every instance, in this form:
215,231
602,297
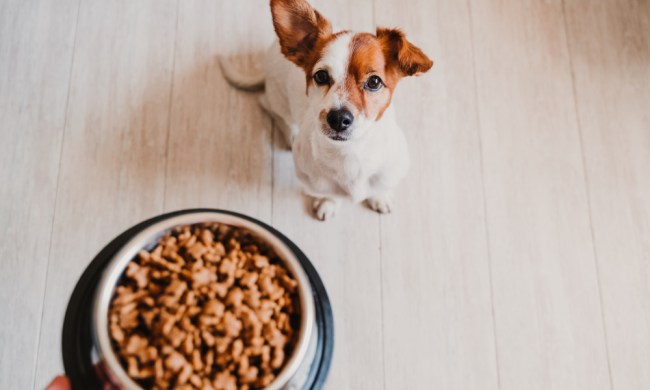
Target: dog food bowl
88,355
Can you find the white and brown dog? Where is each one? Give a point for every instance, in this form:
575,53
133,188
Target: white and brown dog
334,106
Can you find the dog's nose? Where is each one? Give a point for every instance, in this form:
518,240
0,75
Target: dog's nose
340,120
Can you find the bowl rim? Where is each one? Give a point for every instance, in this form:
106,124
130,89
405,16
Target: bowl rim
151,234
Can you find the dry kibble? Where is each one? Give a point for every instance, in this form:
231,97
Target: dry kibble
129,320
209,307
208,338
260,261
252,297
278,357
230,325
265,311
214,307
235,297
135,344
225,381
237,349
249,279
139,274
222,344
185,374
176,337
188,345
133,369
249,376
175,361
266,355
167,322
196,380
197,251
148,318
197,363
117,333
203,277
149,354
265,380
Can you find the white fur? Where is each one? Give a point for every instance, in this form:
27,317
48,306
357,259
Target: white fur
366,167
336,57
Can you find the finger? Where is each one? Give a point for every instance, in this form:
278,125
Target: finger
59,383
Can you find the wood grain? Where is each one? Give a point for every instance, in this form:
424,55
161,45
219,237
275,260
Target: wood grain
435,265
36,46
219,148
611,68
546,296
112,167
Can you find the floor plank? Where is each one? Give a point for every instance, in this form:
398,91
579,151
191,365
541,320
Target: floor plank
611,67
219,142
112,168
546,295
36,46
345,250
436,279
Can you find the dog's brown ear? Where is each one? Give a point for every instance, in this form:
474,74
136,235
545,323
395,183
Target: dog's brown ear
299,28
406,57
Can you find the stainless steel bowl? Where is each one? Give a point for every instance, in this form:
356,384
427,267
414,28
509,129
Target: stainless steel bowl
296,370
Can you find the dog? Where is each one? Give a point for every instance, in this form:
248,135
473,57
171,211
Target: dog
330,95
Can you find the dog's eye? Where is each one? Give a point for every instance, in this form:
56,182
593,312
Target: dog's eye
373,84
321,77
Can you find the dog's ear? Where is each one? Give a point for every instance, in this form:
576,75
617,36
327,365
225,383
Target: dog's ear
402,54
299,28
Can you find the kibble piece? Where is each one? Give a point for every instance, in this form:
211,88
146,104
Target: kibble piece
260,261
185,374
175,361
278,357
203,277
222,344
135,344
230,325
225,381
235,297
214,307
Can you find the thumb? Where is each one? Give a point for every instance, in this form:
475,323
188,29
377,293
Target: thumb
59,383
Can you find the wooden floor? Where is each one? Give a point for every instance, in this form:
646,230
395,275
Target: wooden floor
518,254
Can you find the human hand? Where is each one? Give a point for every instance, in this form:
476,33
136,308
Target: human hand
61,382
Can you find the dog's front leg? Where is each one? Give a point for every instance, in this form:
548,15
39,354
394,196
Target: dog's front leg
381,202
325,207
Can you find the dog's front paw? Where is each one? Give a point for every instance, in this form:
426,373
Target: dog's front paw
380,204
324,208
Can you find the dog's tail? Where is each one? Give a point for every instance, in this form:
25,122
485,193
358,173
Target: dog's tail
238,80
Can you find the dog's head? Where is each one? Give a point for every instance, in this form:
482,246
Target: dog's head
351,76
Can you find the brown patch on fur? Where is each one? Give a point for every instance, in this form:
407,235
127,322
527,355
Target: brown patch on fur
401,54
302,31
387,55
367,59
322,116
316,54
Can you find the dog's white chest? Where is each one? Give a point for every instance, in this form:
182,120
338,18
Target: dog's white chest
344,172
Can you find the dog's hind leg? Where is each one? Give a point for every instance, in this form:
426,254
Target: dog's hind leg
288,131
